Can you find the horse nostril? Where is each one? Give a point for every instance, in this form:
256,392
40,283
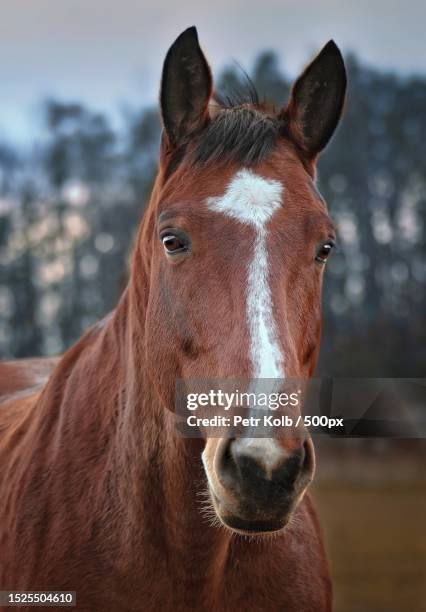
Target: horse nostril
309,458
225,464
305,455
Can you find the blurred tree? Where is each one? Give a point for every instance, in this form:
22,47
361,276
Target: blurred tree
23,308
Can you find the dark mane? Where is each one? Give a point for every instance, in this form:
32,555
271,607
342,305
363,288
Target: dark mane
241,130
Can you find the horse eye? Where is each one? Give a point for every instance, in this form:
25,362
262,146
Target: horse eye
324,251
173,244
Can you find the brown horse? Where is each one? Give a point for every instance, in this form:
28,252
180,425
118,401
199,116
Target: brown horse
98,491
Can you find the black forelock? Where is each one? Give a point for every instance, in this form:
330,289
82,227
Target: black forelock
241,131
241,134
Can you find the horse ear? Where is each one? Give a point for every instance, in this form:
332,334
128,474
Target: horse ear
186,87
316,101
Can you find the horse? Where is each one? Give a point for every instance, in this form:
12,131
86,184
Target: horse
100,494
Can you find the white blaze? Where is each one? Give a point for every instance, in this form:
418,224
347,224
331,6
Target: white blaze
253,199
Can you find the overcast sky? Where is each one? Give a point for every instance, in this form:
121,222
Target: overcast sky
108,52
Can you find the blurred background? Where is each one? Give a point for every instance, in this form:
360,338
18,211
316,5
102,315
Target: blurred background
79,134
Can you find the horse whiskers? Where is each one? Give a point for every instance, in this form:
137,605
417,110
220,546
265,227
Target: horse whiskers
206,507
258,538
294,523
205,493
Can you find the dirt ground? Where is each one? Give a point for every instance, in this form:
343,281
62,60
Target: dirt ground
371,497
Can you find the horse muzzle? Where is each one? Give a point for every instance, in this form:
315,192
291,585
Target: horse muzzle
256,483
